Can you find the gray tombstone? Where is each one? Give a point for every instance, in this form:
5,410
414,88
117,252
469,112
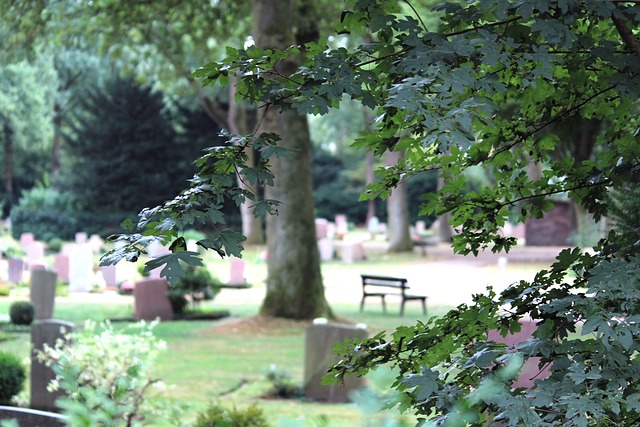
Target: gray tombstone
16,269
45,332
319,357
31,418
42,289
151,301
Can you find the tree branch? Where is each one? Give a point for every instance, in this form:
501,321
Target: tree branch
627,36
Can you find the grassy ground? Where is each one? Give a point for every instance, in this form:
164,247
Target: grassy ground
228,360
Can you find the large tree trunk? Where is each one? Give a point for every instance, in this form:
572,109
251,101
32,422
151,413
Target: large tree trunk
398,212
251,226
370,173
445,232
294,282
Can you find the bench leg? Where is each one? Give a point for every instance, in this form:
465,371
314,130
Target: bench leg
362,305
402,307
384,304
424,306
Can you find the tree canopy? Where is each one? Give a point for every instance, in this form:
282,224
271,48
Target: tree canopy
496,84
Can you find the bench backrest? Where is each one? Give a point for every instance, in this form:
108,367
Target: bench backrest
388,281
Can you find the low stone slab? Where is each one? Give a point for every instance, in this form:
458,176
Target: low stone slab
32,418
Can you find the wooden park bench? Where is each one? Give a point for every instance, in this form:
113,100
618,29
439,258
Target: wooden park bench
385,285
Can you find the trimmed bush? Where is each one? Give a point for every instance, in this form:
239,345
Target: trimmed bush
21,313
217,415
196,285
12,376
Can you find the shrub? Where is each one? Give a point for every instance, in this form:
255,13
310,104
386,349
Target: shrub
12,376
21,313
196,285
105,373
282,384
217,415
54,245
5,289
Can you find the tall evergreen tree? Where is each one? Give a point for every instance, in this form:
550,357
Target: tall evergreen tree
121,149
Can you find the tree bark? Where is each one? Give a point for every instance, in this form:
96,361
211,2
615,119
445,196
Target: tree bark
445,232
398,212
251,226
370,175
294,282
57,138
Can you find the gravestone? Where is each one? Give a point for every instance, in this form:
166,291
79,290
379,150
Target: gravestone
35,254
26,417
96,243
421,227
352,252
16,269
26,239
342,226
45,332
530,371
61,266
81,238
325,247
555,228
110,276
319,357
237,271
80,268
151,301
155,250
42,290
322,228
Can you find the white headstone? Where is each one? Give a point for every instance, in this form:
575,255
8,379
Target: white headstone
81,268
96,243
81,238
325,247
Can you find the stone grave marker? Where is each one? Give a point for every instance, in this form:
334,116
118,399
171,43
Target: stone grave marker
110,276
42,291
81,238
45,332
155,250
16,269
319,357
421,227
26,239
61,266
35,254
237,271
96,243
342,226
353,252
530,371
325,247
322,228
80,268
26,417
151,301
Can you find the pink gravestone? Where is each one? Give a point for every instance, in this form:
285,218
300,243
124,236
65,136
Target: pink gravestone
155,250
322,228
151,301
81,238
96,243
61,266
237,271
530,370
342,227
16,268
26,239
352,252
35,253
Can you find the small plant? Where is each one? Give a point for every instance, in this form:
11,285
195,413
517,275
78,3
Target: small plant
217,415
12,376
5,289
21,313
54,245
196,285
282,385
